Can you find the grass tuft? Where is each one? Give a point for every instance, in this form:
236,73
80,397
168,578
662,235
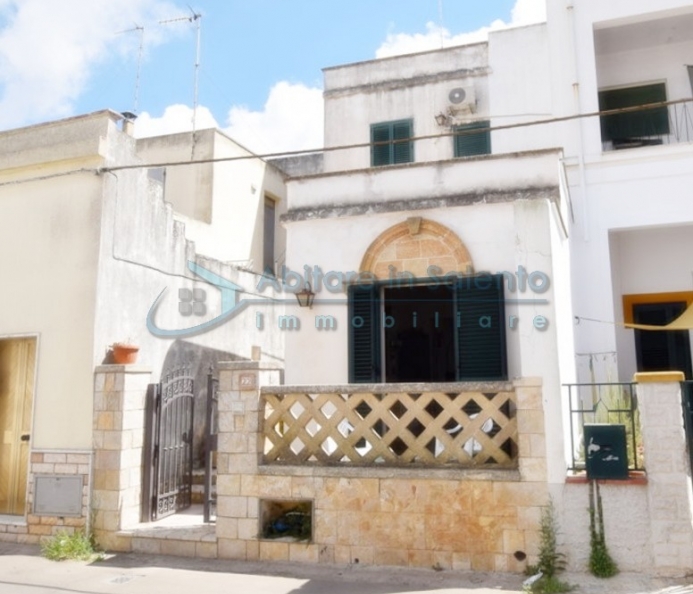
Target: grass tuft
66,546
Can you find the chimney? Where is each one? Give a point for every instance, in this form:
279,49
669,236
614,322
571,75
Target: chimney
129,122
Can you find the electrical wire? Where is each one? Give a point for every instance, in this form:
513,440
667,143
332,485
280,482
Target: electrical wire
266,156
458,132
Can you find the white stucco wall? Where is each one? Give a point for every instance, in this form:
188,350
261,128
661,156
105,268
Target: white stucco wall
520,89
635,189
404,87
222,203
144,251
50,233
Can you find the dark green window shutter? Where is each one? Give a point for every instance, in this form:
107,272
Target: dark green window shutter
480,328
468,144
638,124
364,334
403,151
391,143
380,153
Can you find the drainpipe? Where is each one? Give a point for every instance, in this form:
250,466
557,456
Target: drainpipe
570,7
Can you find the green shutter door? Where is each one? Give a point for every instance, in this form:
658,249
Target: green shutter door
364,334
480,325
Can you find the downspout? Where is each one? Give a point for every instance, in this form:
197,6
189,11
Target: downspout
570,6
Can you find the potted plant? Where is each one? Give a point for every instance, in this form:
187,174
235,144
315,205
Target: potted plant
124,353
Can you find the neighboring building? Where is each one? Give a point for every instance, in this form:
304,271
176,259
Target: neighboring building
630,177
218,200
87,251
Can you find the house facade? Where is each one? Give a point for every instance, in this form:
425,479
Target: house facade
99,256
473,237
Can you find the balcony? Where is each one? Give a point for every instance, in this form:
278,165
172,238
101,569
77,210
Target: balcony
648,124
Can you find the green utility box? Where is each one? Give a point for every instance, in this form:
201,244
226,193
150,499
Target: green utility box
606,456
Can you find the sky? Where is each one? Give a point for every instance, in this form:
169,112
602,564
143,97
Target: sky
259,77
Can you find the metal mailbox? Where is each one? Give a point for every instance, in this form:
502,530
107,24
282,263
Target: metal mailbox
606,455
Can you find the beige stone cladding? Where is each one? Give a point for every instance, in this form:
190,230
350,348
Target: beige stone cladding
33,527
478,519
119,401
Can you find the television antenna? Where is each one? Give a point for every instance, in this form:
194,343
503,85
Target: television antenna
140,52
440,18
196,18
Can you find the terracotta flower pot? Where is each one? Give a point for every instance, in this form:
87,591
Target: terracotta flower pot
124,354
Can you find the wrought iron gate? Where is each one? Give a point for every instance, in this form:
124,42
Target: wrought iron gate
167,484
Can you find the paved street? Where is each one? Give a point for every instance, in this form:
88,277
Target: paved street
23,571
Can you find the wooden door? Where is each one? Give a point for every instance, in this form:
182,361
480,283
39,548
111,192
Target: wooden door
17,365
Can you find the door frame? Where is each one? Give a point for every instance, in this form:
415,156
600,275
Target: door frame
631,300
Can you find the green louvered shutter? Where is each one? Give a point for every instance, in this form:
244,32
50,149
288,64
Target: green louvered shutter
467,145
391,143
638,124
364,334
480,328
380,153
403,149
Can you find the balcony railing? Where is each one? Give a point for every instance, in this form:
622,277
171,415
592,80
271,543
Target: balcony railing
609,404
355,427
647,125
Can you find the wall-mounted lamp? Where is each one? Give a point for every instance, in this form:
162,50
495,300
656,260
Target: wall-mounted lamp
305,296
442,119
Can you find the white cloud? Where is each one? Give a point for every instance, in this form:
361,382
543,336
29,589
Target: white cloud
176,118
48,50
525,12
292,119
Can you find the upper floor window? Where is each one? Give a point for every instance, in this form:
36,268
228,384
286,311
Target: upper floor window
391,143
473,139
634,128
269,222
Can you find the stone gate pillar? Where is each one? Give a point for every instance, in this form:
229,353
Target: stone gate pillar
669,491
120,393
239,452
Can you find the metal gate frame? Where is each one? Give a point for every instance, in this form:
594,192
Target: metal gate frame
211,431
168,452
687,405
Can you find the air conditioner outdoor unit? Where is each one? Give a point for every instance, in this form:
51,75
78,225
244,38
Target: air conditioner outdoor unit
461,101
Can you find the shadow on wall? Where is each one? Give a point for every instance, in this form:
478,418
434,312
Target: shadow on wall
199,360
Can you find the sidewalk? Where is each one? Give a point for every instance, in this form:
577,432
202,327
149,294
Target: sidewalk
23,571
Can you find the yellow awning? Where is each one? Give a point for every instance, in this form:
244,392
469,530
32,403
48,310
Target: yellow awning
683,322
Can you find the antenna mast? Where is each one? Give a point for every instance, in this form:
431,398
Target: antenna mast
440,18
140,52
196,18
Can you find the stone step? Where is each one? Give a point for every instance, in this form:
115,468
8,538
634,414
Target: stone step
198,477
198,493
